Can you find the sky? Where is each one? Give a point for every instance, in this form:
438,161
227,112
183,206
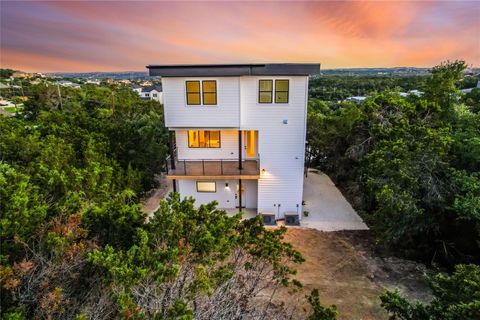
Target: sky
81,36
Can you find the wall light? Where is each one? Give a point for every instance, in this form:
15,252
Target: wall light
226,185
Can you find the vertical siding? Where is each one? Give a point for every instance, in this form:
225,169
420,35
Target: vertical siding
281,146
225,114
228,147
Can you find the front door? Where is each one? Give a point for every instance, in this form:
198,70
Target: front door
250,144
237,196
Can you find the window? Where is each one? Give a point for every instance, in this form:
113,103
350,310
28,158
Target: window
155,95
281,91
147,94
203,139
206,186
209,92
265,90
193,92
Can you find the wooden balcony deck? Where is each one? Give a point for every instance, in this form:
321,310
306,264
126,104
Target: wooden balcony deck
214,169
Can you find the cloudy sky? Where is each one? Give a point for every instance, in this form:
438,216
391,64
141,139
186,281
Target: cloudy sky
127,35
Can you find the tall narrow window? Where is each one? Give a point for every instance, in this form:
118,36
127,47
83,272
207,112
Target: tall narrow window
193,92
265,89
209,92
281,91
203,139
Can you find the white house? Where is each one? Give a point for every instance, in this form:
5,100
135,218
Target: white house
149,93
237,134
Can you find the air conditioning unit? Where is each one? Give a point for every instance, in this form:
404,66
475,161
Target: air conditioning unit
268,218
292,218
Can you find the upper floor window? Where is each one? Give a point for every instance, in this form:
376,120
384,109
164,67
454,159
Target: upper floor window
193,92
203,139
147,94
209,92
281,91
154,94
265,91
206,94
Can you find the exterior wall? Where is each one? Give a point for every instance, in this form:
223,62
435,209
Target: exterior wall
223,115
225,196
281,138
228,147
281,146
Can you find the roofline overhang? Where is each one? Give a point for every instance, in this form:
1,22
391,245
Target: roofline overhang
230,70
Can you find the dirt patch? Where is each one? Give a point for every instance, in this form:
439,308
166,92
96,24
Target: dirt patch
343,265
152,199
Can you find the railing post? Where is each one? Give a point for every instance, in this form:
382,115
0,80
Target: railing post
185,167
166,166
203,167
221,166
170,145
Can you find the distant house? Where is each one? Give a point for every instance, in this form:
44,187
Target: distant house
150,92
65,83
93,81
356,99
470,89
137,88
416,93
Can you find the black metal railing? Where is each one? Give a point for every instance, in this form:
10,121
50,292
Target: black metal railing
211,167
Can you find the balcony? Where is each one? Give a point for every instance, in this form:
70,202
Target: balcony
213,169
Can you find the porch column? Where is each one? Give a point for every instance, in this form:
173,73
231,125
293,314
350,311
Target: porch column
171,135
240,150
239,195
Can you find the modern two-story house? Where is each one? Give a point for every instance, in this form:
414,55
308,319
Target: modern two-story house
237,134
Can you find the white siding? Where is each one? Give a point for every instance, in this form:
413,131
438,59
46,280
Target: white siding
225,196
228,147
281,146
225,114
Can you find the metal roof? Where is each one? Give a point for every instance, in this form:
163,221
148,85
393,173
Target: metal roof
205,70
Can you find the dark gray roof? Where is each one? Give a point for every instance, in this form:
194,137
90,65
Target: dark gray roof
150,88
204,70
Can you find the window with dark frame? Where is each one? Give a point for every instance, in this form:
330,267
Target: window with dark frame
209,91
206,186
193,92
281,91
265,91
203,139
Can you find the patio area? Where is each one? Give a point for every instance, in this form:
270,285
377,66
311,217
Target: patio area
328,210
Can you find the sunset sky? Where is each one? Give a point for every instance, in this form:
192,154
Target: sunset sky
120,36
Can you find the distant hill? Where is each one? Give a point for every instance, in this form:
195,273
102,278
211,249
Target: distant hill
132,75
139,75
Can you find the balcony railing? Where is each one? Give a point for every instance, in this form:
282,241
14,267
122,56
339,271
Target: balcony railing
212,167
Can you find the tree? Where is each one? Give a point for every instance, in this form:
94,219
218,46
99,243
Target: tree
455,296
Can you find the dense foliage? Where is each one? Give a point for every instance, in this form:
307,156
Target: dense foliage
455,296
410,165
335,88
75,243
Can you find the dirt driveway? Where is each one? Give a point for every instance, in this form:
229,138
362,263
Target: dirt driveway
348,273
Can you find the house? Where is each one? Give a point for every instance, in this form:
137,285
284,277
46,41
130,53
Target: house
65,83
356,99
237,134
152,93
468,90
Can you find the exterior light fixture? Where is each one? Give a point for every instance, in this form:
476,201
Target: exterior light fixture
226,185
263,171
